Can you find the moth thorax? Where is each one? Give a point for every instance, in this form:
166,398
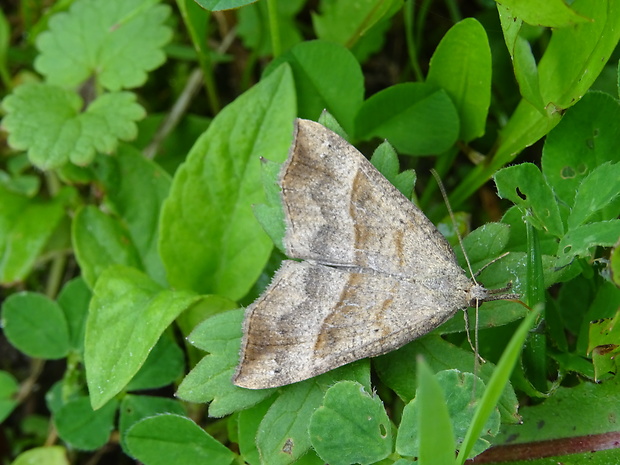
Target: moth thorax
476,294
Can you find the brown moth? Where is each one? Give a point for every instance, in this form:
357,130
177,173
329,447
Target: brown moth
376,272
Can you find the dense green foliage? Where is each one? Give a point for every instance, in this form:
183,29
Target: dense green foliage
136,220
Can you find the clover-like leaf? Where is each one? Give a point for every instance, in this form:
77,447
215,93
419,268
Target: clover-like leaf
46,121
116,42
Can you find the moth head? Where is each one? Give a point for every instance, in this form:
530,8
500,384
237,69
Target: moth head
476,295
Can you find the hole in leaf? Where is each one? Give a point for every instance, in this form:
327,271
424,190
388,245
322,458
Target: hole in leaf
382,430
521,194
567,249
288,446
582,168
567,172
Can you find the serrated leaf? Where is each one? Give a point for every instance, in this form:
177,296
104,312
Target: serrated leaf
117,42
402,109
525,186
47,121
580,241
35,325
26,226
461,65
127,315
210,379
165,439
82,427
597,191
327,76
351,426
210,241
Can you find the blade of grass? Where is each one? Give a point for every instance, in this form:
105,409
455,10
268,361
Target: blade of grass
437,443
496,384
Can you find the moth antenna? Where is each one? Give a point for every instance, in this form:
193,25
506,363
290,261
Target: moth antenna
456,228
490,263
474,346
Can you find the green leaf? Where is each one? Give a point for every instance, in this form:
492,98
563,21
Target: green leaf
210,380
135,190
248,424
9,388
116,42
586,138
351,426
551,13
49,455
164,364
218,5
582,410
26,226
461,65
135,408
576,55
525,186
100,241
35,325
597,191
282,436
165,439
580,241
451,392
385,159
127,315
254,29
496,385
436,438
74,299
604,344
572,61
327,76
47,121
82,427
400,110
523,60
398,369
209,239
345,24
270,215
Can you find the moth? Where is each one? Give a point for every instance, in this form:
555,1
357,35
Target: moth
374,274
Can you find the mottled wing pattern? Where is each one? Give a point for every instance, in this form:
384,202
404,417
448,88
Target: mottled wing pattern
340,210
377,273
314,318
